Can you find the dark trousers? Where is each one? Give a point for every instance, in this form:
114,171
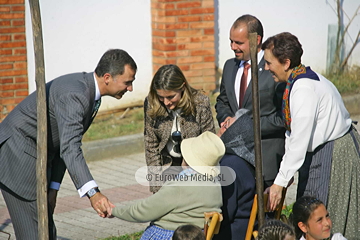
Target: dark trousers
23,214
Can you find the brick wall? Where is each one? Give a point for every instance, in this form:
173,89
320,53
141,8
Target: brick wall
13,60
183,34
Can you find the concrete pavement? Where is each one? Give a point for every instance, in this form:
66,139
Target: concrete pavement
75,218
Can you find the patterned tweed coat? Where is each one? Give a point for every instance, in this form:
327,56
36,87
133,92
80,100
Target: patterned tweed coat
158,131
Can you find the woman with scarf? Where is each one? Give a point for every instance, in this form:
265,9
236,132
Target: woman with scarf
173,111
321,142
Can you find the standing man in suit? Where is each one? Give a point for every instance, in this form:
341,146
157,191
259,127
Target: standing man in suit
236,92
72,102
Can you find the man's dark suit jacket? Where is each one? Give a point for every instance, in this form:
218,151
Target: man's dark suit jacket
271,123
70,102
237,199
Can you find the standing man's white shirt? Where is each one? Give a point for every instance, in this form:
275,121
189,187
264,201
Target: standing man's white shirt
240,72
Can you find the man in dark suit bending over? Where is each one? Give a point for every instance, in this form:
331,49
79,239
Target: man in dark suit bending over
72,103
236,92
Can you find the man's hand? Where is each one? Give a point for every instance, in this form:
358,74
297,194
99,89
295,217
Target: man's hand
275,195
52,194
101,205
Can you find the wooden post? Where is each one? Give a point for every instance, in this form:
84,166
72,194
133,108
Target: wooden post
257,131
42,203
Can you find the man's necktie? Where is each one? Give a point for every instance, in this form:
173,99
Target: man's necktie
243,83
96,108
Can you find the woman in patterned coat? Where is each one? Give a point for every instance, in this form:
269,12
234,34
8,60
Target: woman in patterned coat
173,111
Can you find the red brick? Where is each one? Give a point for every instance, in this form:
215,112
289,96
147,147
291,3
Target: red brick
176,54
189,4
170,61
18,8
21,79
163,19
5,37
209,87
184,67
20,65
12,44
208,72
202,25
12,15
4,9
5,51
189,19
157,5
209,45
10,107
12,30
20,51
209,59
196,73
177,26
6,66
163,33
19,37
190,46
202,10
196,59
156,53
207,3
165,40
208,17
189,33
164,47
21,93
6,80
209,31
12,58
202,52
12,100
176,12
209,38
182,40
5,23
161,61
6,94
11,1
15,86
13,73
202,65
18,23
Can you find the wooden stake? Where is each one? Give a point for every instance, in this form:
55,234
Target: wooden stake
42,203
257,131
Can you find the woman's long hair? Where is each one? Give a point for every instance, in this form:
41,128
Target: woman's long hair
302,209
275,230
170,78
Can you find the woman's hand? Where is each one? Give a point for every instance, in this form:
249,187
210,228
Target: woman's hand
274,196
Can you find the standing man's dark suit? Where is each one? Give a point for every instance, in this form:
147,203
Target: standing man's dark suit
270,94
70,103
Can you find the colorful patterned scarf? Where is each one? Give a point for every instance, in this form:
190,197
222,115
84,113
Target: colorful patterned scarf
298,72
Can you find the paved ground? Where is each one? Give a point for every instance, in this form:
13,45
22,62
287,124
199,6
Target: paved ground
74,217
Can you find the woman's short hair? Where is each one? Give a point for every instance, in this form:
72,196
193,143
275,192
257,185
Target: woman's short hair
275,230
170,78
285,46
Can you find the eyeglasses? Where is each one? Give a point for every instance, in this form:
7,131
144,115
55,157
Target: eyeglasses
176,137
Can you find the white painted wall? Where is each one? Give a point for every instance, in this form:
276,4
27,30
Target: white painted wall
77,32
307,19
